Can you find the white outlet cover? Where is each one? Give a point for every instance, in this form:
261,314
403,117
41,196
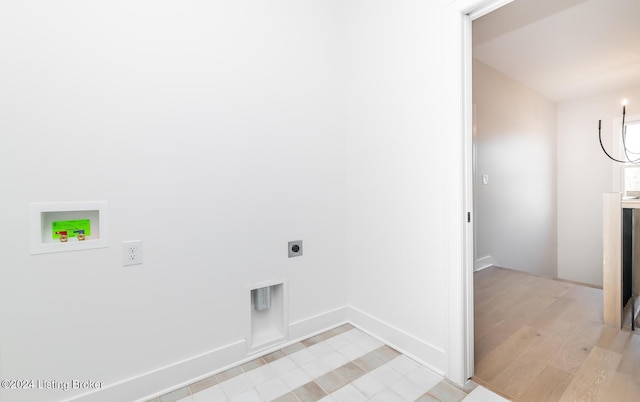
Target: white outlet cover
131,252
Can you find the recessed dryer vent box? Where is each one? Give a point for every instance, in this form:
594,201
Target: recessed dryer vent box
68,226
268,321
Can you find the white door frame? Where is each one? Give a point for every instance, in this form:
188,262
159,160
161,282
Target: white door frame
457,59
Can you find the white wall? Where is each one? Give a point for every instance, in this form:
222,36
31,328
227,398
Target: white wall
215,130
584,173
397,187
222,129
516,147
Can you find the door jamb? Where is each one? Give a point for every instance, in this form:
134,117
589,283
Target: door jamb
459,17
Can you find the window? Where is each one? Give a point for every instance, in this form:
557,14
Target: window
632,171
632,140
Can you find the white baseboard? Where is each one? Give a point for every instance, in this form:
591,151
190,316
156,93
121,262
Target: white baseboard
423,352
484,262
318,323
163,380
185,372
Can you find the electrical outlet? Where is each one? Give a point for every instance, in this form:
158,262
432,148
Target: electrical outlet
295,248
131,252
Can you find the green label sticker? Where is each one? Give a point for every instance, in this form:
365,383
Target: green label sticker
71,228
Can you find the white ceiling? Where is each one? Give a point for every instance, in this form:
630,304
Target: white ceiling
563,49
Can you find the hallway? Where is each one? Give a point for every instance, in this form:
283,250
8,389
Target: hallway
538,339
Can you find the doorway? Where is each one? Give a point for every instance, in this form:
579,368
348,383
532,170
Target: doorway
459,15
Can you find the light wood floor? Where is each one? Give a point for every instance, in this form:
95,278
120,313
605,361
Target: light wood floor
539,339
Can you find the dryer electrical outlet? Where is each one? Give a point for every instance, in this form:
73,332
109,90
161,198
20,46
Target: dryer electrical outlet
295,248
131,252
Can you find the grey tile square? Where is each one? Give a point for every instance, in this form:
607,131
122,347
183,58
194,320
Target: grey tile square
290,397
229,374
326,335
385,353
253,364
310,392
350,371
331,382
272,357
203,384
342,328
368,362
175,395
311,341
291,349
468,387
447,392
427,398
211,394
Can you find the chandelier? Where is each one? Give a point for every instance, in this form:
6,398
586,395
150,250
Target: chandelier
630,156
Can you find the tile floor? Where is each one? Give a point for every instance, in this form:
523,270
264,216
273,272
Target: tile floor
340,365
